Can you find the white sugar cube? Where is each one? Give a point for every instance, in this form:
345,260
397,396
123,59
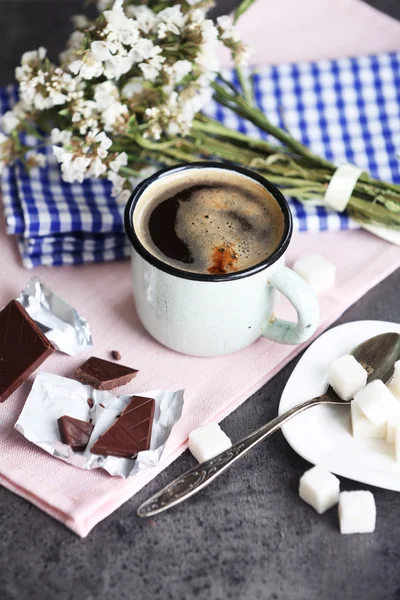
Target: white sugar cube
208,441
318,272
357,512
394,391
319,488
377,402
396,439
395,383
394,421
362,427
347,376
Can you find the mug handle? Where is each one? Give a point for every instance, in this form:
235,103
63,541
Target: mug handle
305,302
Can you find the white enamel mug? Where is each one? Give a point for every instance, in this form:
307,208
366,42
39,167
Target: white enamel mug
207,314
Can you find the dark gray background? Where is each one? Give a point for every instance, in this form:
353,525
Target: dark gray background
246,537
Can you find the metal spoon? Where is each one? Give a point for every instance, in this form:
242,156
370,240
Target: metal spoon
377,355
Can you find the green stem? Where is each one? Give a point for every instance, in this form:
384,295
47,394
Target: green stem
215,127
246,86
253,114
128,172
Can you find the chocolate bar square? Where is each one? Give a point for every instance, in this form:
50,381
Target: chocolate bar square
23,348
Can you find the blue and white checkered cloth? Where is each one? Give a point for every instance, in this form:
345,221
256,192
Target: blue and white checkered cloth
346,110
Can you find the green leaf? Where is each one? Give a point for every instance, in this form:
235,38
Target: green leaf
241,9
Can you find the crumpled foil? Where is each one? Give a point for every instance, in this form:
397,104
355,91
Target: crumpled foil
53,396
60,322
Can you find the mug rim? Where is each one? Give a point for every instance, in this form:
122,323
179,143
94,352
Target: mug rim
159,264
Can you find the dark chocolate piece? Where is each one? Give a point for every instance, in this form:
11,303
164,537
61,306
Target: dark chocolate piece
103,374
23,348
101,404
131,432
90,402
116,355
74,432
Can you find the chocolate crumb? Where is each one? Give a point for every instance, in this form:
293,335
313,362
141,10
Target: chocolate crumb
90,420
90,402
102,405
116,355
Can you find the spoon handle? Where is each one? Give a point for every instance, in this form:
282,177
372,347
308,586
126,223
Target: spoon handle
201,475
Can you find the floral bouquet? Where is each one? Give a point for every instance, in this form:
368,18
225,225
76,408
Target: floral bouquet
126,100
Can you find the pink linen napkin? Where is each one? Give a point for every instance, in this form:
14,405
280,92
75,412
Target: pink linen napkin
214,386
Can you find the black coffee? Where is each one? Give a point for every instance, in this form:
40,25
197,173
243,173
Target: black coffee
209,221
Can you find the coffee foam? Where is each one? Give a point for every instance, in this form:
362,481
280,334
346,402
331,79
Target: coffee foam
228,221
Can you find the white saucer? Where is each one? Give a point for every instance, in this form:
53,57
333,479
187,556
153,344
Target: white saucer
322,435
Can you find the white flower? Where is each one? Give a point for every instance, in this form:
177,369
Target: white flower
181,68
41,103
35,159
97,168
119,65
102,139
200,100
209,31
61,154
132,87
207,58
121,160
9,121
33,56
117,181
193,2
162,31
149,72
196,18
105,144
146,19
84,113
173,18
229,30
105,94
143,50
60,137
120,27
243,55
152,68
224,21
114,115
80,21
56,98
75,170
88,67
100,51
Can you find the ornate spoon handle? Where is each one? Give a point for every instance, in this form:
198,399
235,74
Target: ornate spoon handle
201,475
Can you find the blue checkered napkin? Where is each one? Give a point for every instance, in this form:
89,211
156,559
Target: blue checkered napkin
346,110
73,248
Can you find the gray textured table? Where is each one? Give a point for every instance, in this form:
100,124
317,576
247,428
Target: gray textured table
248,536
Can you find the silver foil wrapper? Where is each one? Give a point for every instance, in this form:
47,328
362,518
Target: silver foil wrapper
67,330
53,396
